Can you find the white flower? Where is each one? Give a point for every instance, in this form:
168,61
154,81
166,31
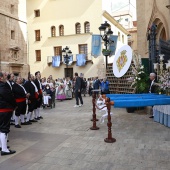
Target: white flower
142,67
139,78
139,73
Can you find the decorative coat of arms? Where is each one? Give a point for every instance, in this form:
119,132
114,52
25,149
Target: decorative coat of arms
122,60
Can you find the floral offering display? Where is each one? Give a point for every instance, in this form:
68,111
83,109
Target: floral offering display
164,83
140,77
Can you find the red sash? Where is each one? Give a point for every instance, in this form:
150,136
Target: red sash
20,100
40,91
36,95
6,110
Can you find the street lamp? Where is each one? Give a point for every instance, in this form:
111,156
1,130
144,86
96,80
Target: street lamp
66,53
105,32
151,37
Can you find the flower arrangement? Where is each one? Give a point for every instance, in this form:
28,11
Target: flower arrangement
140,77
164,82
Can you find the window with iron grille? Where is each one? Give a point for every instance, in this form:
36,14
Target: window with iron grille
53,31
61,30
78,28
37,35
87,27
38,55
83,49
37,13
58,51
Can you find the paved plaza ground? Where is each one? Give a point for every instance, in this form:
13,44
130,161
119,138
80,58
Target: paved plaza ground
63,141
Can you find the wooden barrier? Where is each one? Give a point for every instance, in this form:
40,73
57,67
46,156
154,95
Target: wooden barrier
94,127
109,139
108,103
94,95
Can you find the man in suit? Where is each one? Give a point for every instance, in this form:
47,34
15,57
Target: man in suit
77,91
152,86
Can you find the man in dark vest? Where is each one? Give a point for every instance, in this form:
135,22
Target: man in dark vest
20,95
39,100
32,100
10,82
7,106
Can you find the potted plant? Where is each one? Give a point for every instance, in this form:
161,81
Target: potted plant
106,52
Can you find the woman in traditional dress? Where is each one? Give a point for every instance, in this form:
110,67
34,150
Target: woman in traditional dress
68,88
61,91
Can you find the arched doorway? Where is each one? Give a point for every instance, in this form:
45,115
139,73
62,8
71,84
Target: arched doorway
161,33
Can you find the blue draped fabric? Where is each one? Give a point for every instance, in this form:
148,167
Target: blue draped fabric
138,100
81,59
96,45
56,61
113,46
71,60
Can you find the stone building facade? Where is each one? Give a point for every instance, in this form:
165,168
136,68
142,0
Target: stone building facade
13,34
53,25
152,12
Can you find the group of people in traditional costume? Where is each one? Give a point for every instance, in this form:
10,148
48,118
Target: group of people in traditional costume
15,96
20,99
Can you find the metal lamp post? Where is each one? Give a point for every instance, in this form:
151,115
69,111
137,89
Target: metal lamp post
152,46
66,53
105,32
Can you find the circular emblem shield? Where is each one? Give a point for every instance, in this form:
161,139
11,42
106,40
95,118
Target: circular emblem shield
122,61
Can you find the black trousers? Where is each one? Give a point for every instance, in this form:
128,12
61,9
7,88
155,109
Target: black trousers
90,91
21,108
32,105
78,96
39,102
5,118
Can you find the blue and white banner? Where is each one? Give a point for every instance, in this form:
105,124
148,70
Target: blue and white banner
113,44
56,61
81,59
96,45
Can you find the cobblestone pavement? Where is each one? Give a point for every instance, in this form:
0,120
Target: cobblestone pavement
63,141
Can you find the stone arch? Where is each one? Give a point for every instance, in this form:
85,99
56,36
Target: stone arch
161,33
158,19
